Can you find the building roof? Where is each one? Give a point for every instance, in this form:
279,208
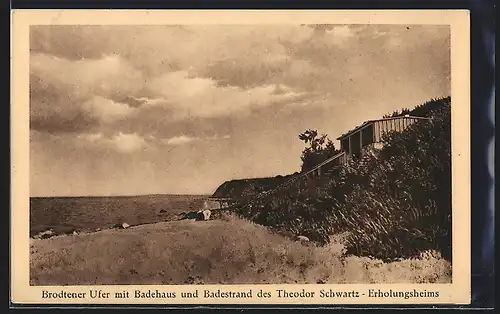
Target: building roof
371,121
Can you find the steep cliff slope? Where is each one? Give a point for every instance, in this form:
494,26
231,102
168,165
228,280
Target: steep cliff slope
247,187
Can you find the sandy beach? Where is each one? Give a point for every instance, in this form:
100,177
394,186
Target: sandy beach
228,251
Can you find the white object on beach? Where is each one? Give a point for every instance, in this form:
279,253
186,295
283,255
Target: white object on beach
206,214
122,226
302,238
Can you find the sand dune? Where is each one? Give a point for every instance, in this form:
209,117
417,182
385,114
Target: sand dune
226,251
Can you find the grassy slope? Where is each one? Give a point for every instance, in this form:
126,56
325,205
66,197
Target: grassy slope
230,251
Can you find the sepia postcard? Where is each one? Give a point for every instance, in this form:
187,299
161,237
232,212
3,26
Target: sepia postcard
240,157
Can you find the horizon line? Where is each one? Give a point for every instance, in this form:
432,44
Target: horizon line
121,195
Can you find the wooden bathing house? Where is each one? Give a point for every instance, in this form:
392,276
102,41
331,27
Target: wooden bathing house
369,134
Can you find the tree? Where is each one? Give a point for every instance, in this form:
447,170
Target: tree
319,148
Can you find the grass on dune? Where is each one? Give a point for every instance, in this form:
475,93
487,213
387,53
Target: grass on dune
228,251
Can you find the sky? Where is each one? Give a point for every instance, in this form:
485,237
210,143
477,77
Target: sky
179,109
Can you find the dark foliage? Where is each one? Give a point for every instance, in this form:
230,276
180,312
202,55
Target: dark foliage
318,150
422,110
399,202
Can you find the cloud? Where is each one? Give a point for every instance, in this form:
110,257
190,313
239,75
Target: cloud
74,95
190,96
95,94
180,140
109,75
162,48
128,142
161,79
184,139
340,35
247,72
107,110
120,142
92,137
132,142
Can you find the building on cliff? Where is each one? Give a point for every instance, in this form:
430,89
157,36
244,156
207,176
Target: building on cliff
370,133
357,141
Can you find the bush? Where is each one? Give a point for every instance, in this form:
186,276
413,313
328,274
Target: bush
399,202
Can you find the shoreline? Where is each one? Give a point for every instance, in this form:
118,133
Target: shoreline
118,226
82,214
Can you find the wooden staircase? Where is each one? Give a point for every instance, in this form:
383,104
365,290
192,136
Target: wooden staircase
300,180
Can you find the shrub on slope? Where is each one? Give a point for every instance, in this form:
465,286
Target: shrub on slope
398,201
